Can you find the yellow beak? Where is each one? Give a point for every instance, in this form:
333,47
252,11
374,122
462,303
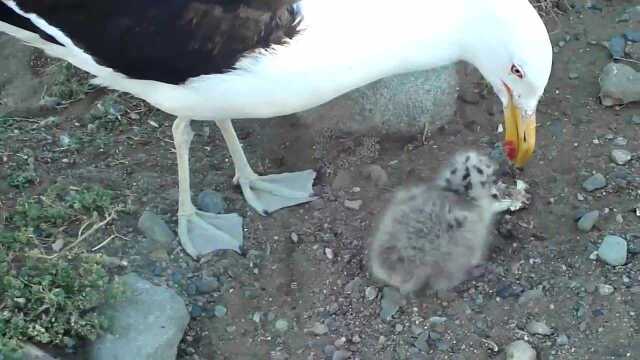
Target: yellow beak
520,134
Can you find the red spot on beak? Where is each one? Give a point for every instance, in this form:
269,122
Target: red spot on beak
510,149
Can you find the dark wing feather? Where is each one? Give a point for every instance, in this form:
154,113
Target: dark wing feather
168,40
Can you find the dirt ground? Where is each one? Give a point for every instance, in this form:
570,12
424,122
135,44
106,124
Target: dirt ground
539,267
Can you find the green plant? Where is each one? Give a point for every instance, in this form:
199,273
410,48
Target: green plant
68,82
44,299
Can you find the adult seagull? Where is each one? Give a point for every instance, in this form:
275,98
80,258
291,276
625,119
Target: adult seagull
218,60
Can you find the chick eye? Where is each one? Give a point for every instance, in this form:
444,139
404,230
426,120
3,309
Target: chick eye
517,71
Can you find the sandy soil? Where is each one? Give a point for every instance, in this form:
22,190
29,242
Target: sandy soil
539,266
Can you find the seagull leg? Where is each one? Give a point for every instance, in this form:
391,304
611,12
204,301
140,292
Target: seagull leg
200,232
270,192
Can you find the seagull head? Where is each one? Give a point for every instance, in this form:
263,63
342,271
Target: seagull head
510,46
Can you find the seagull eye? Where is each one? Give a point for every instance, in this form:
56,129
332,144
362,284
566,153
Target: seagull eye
515,70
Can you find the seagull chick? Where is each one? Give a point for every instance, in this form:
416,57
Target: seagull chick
430,235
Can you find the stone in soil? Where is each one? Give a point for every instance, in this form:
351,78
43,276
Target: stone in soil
595,182
613,250
619,84
207,285
211,201
155,229
371,293
617,45
620,141
520,350
149,324
391,302
220,311
604,289
588,220
632,36
341,355
620,156
562,340
282,325
353,204
377,175
539,328
318,329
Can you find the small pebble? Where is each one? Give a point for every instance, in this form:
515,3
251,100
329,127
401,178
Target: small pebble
562,340
520,350
64,140
390,303
341,355
371,293
573,76
632,36
595,182
604,289
617,44
295,238
613,250
588,220
318,329
353,204
207,285
635,119
329,253
220,311
539,328
196,310
282,325
329,350
377,175
620,141
437,320
211,202
620,156
155,229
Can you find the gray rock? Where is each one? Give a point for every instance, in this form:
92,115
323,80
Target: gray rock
391,302
588,220
211,201
613,250
371,293
595,182
377,175
562,340
620,156
354,287
539,328
574,76
318,329
617,44
341,355
619,84
530,295
422,342
604,289
401,104
635,119
520,350
632,36
207,285
147,324
155,229
282,325
620,141
220,311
